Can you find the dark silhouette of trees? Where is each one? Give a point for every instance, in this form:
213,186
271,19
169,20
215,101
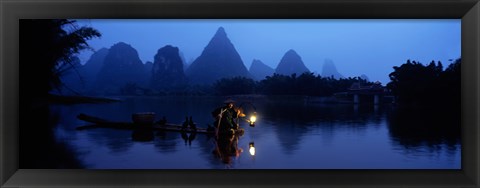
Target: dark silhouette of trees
234,86
415,83
47,49
451,84
277,84
430,110
305,84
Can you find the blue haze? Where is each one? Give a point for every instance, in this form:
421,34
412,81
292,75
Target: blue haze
370,47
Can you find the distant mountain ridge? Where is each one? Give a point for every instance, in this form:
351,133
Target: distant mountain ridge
291,63
329,69
110,69
219,59
122,66
93,66
167,70
259,70
365,77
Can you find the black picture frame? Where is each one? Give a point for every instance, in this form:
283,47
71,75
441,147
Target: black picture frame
11,11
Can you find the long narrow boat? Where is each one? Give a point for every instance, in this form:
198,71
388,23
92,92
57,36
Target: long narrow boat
103,123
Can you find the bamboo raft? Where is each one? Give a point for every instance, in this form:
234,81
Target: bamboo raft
103,123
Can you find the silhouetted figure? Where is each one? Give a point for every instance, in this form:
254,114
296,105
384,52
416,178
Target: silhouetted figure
225,118
185,124
192,125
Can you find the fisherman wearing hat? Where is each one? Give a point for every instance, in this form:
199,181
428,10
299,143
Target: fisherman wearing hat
225,117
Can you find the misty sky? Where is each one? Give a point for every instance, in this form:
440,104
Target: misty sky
370,47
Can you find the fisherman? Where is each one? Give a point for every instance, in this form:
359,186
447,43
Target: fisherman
225,117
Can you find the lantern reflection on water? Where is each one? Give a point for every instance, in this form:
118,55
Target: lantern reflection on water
251,148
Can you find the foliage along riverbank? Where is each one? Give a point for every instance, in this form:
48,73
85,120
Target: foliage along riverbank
60,99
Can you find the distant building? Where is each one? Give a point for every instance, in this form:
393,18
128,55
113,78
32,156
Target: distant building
375,88
364,93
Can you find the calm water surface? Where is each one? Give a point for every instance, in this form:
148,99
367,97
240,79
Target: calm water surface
290,133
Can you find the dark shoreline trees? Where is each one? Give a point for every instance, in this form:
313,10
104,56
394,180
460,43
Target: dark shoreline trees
305,84
418,84
234,86
277,84
47,49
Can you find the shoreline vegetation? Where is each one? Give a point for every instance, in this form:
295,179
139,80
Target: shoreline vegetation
303,99
68,100
64,99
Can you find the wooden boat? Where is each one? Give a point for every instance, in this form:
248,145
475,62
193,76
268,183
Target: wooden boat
143,118
102,123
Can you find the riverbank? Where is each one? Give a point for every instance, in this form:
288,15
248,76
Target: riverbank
61,99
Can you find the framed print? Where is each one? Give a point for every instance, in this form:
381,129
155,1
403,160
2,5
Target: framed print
246,93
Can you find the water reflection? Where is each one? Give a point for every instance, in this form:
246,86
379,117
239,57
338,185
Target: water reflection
142,135
226,148
251,148
40,144
292,122
290,133
188,137
167,142
414,128
117,141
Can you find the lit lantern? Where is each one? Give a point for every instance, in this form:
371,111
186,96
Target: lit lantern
251,149
253,118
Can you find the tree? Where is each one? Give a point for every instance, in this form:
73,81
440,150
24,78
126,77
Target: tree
47,46
305,84
451,79
234,86
416,83
47,49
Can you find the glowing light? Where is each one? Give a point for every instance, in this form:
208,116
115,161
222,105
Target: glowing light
253,119
251,149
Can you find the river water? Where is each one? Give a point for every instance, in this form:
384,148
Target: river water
290,133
